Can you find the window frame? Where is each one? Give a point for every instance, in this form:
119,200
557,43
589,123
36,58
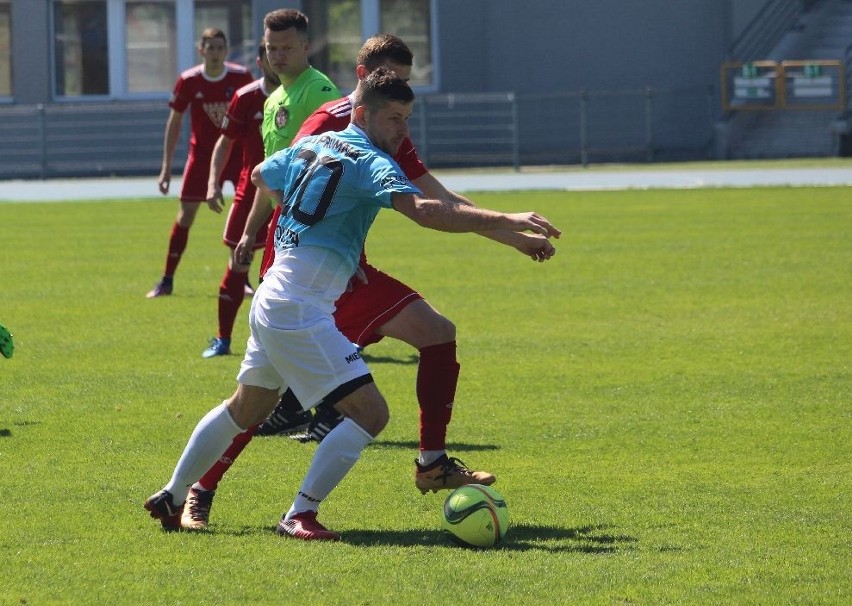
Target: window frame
371,24
185,52
54,68
10,98
371,21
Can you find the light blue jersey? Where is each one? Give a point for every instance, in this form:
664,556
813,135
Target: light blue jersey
334,185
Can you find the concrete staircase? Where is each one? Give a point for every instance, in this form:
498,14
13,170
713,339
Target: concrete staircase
823,32
829,34
782,134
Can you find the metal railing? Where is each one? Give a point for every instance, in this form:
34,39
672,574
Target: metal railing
784,85
450,130
83,139
763,32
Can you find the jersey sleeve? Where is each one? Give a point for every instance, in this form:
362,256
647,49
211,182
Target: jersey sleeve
180,98
275,168
234,123
384,178
408,160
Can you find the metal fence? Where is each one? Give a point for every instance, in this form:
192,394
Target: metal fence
578,127
450,130
80,140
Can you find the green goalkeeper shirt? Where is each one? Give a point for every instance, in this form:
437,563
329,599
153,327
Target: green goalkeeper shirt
287,108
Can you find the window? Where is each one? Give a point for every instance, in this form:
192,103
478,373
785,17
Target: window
151,60
339,27
335,37
80,48
410,21
233,18
134,48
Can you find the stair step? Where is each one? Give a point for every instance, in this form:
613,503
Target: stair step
784,134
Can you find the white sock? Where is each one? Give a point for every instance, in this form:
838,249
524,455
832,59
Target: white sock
429,456
212,436
333,459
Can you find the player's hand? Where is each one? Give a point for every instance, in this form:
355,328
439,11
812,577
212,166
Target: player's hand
163,181
243,250
536,247
359,275
215,199
533,222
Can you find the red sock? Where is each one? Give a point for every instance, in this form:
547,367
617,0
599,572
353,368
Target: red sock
210,480
231,293
177,244
437,377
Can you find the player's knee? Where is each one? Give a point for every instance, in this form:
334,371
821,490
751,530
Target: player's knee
368,409
374,419
250,405
378,420
428,327
440,328
186,213
185,220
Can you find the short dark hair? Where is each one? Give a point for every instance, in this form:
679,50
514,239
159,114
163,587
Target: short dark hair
285,18
380,87
381,48
212,33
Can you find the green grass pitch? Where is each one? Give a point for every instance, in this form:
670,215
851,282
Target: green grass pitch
666,404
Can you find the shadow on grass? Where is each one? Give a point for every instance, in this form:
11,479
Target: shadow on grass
370,359
5,432
414,445
522,537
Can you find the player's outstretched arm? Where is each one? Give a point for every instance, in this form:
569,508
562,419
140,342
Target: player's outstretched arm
535,247
218,160
446,216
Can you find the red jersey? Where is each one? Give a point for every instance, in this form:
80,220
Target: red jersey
207,101
242,124
335,116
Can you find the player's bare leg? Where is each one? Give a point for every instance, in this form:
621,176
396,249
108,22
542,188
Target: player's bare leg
434,336
212,436
366,414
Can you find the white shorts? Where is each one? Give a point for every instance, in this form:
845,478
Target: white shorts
297,345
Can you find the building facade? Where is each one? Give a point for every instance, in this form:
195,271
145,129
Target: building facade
540,55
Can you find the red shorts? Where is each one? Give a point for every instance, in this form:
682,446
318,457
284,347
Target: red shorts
237,218
197,170
369,306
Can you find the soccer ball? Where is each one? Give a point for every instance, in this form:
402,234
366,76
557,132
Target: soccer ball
475,516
